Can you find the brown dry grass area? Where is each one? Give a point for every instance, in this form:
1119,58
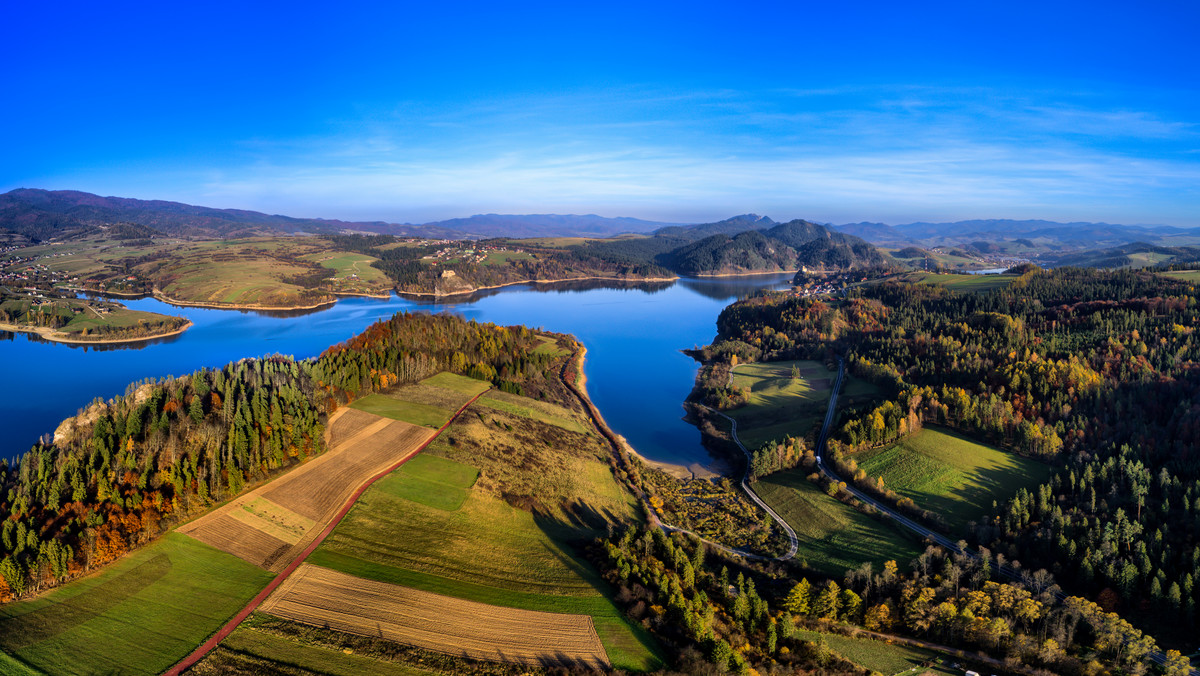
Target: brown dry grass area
327,598
270,524
431,395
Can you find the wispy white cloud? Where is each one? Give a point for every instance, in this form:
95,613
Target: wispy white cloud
897,153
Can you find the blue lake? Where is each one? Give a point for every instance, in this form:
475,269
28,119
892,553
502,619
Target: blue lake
636,374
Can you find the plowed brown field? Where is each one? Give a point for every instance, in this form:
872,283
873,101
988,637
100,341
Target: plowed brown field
271,524
327,598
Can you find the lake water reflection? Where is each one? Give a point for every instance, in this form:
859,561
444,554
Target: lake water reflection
636,374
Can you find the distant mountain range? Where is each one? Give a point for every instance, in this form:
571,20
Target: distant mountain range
1047,235
43,214
744,243
483,226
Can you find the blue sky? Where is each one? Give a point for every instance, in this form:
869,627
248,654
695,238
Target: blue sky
675,111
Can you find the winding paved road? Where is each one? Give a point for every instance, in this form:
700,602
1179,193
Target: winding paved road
793,541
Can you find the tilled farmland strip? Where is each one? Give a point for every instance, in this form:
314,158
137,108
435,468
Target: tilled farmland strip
324,597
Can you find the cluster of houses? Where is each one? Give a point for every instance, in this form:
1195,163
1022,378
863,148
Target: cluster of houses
26,272
470,253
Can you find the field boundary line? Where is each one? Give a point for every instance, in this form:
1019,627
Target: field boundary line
207,647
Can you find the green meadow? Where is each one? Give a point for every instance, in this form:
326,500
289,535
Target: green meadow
951,475
139,615
834,537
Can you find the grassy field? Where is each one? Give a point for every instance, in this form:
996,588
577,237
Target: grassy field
1187,275
886,658
951,475
502,257
552,242
139,615
430,402
510,542
457,383
781,405
248,650
407,411
530,408
962,283
550,346
431,481
353,271
834,537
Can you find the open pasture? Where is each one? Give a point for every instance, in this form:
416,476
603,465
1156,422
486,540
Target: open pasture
1186,275
780,404
540,488
416,413
951,475
268,525
550,346
138,616
347,265
503,257
247,280
431,481
461,384
834,537
878,656
962,283
532,408
328,598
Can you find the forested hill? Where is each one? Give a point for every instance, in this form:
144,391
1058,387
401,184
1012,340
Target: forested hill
1092,371
124,470
1136,255
742,244
43,214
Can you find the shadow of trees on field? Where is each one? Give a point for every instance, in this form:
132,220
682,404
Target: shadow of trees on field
48,621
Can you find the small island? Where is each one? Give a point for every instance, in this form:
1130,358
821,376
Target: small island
64,319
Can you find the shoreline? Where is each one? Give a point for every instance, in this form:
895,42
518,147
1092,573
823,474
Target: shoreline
756,273
58,337
695,470
638,280
232,306
380,296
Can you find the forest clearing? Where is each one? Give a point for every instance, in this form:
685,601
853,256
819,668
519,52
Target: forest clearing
951,475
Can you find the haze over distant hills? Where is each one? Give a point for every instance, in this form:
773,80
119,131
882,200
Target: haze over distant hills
42,214
1049,234
546,225
748,242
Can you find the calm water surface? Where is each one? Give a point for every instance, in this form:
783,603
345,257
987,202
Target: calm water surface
636,374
